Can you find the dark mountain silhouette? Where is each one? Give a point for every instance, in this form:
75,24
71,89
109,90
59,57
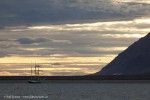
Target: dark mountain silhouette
135,60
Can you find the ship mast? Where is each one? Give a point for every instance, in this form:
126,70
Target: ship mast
37,72
31,71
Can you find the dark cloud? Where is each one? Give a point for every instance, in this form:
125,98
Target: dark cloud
29,12
71,73
32,40
142,26
56,64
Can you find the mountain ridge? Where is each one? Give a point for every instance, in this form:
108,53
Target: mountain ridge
134,60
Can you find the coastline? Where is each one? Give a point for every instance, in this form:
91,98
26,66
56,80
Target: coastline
78,79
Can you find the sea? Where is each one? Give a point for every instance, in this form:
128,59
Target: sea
75,91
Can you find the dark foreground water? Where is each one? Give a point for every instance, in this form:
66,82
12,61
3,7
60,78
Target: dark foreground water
75,91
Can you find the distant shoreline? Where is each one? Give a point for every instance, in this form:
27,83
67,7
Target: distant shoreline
80,79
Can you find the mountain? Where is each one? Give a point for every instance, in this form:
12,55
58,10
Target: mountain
135,60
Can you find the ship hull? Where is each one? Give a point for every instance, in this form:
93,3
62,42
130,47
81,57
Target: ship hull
33,81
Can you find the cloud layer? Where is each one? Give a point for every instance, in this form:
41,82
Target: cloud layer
16,12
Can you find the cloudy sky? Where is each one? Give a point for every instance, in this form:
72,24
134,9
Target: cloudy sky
68,37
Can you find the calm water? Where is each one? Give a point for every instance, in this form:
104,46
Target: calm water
75,91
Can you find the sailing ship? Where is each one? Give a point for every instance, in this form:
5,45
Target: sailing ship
35,74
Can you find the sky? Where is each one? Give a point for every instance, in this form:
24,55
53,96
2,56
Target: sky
67,37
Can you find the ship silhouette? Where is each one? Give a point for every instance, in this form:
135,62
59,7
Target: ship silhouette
35,74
